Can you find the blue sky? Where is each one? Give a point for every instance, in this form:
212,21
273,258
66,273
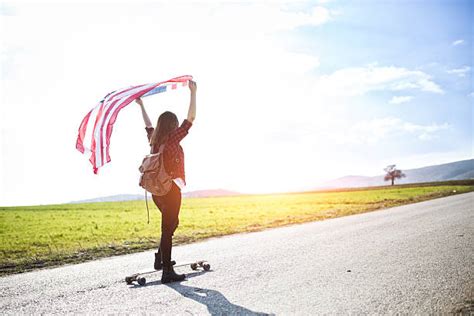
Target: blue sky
290,94
417,35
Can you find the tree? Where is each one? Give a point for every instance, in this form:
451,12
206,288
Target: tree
393,173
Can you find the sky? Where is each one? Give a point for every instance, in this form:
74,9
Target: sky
290,93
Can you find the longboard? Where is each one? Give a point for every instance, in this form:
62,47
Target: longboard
138,277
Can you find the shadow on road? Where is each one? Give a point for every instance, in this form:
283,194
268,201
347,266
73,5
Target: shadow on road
217,304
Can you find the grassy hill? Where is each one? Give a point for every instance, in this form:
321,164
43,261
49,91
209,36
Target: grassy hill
459,170
134,197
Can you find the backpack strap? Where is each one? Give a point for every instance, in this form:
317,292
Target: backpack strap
162,148
148,211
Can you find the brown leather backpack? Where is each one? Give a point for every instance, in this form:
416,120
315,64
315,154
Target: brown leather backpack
154,178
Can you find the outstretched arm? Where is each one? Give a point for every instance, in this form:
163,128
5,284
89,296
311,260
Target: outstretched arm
192,103
146,119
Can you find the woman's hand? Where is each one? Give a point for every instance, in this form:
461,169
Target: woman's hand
139,101
192,86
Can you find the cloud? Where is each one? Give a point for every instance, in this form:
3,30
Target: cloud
6,10
458,42
461,72
378,129
240,20
400,99
361,80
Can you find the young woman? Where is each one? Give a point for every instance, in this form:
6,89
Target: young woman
168,133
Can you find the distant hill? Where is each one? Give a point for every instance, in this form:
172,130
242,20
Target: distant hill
210,193
113,198
459,170
132,197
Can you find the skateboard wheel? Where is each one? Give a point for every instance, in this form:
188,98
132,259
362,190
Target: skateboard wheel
128,280
194,266
206,266
141,281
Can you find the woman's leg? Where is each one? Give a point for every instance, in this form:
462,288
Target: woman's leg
159,202
170,213
177,201
171,204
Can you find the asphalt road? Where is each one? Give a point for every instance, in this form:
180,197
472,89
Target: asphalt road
412,259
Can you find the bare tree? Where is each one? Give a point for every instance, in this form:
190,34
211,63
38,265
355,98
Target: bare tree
393,173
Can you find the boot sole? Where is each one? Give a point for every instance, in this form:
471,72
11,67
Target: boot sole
164,281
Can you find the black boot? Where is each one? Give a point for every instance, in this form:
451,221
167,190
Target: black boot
170,276
158,265
166,246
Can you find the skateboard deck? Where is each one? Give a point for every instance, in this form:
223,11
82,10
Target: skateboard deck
138,277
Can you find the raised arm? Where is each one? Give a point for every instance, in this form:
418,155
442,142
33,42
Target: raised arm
192,102
146,119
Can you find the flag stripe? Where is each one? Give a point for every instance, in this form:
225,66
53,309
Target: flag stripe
95,137
82,132
90,128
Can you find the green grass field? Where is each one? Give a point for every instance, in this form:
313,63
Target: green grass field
41,236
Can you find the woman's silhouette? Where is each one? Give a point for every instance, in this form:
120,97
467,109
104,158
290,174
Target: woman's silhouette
168,133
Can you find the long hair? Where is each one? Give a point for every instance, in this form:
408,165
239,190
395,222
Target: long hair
167,122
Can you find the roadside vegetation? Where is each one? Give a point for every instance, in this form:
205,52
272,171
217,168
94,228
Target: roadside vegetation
43,236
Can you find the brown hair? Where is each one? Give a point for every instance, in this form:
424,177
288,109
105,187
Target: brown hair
167,122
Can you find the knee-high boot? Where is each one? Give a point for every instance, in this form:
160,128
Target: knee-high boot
169,275
158,265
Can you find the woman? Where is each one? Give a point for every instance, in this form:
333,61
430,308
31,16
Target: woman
168,133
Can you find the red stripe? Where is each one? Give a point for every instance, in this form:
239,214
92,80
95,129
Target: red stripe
180,79
110,106
82,132
93,149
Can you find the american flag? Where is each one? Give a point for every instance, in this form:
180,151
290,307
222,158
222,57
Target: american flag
96,127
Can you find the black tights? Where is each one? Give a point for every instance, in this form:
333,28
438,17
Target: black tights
169,206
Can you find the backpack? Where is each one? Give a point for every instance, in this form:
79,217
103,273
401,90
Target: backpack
153,176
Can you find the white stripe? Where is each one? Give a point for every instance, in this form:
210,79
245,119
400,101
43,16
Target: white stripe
97,137
120,93
87,141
